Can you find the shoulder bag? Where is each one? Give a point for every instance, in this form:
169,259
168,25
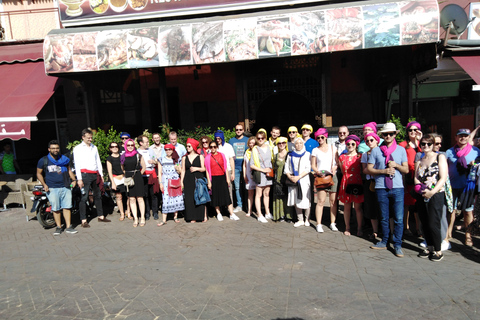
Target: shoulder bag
326,181
130,182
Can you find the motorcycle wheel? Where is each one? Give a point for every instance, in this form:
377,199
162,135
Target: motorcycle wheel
45,218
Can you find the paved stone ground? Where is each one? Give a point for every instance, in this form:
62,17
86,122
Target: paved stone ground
225,270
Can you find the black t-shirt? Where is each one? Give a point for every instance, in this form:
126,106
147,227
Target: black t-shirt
116,166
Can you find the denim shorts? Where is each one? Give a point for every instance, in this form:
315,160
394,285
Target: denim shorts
60,198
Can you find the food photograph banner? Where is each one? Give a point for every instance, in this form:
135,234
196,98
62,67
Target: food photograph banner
220,39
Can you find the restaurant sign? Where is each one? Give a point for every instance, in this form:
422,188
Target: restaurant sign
361,25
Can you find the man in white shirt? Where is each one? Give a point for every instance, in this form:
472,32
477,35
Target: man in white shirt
157,145
179,148
87,167
150,197
229,153
340,143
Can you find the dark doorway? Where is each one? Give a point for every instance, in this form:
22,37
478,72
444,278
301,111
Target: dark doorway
284,109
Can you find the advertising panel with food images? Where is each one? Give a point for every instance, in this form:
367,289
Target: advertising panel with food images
253,36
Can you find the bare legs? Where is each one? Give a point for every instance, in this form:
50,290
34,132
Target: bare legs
321,196
359,214
58,218
251,194
266,200
141,207
118,195
468,219
333,206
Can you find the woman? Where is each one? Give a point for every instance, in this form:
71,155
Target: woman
115,173
411,146
279,196
351,187
203,149
370,204
323,163
430,176
133,166
193,168
297,169
262,162
218,181
168,177
250,185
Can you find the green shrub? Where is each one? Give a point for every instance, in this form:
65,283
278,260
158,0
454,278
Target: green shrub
402,134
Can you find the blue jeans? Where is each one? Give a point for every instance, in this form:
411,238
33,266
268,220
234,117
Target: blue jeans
393,197
238,176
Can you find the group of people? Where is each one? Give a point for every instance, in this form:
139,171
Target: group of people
378,178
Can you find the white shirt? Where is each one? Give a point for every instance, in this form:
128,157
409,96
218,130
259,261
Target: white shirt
86,157
147,154
158,150
324,159
227,150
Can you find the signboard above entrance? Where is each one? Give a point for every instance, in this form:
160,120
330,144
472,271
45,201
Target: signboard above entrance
360,25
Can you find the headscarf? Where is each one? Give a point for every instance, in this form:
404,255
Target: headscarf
354,138
175,156
61,162
280,140
194,143
307,126
262,130
292,128
296,154
372,125
169,146
127,153
321,132
414,123
124,134
219,134
374,135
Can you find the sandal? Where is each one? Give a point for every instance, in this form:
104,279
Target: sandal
176,220
135,223
359,233
129,217
347,233
161,224
247,215
122,218
142,223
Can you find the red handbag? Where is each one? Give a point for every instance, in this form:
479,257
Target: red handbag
174,188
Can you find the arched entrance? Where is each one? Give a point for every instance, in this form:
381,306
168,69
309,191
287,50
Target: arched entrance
284,109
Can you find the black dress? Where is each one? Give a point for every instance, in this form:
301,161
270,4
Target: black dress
129,167
117,171
192,211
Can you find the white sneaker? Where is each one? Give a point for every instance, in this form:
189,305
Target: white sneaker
237,209
307,224
219,217
299,224
269,216
234,217
262,219
446,245
423,244
333,226
319,228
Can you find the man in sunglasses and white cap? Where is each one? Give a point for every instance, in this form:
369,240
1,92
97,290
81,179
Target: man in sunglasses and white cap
388,163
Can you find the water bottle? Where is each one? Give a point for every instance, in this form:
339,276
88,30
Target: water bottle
471,175
83,191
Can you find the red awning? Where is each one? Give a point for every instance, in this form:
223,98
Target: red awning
21,53
471,65
24,90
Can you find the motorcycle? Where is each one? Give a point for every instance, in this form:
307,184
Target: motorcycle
42,207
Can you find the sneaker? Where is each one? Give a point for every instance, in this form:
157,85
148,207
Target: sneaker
379,246
333,226
299,224
437,256
307,224
423,244
237,209
319,228
446,245
269,216
424,254
71,230
58,231
234,217
219,217
262,219
398,252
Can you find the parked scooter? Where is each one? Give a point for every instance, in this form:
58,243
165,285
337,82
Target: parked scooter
42,207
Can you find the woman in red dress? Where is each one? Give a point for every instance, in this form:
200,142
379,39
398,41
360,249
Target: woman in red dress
351,188
411,145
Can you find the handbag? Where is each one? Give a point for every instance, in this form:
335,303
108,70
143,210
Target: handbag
354,189
270,174
323,182
257,176
174,188
129,182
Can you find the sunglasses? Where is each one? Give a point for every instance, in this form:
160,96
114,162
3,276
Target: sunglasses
438,143
130,145
305,129
282,143
342,133
204,142
111,147
423,144
412,130
353,144
321,137
386,134
124,138
213,147
370,140
238,129
261,139
292,132
168,149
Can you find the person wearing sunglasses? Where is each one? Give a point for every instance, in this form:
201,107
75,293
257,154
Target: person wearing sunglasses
250,185
279,203
204,148
239,145
368,128
460,159
387,163
431,173
123,136
227,150
343,133
411,145
309,143
115,173
351,187
292,135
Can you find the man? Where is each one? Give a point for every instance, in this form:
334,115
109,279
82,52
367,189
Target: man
57,185
179,148
149,195
310,143
292,134
239,144
367,128
227,150
274,134
87,168
460,158
8,161
340,143
157,146
387,163
124,136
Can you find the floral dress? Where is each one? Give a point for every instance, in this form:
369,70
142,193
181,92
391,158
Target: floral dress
352,174
170,204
